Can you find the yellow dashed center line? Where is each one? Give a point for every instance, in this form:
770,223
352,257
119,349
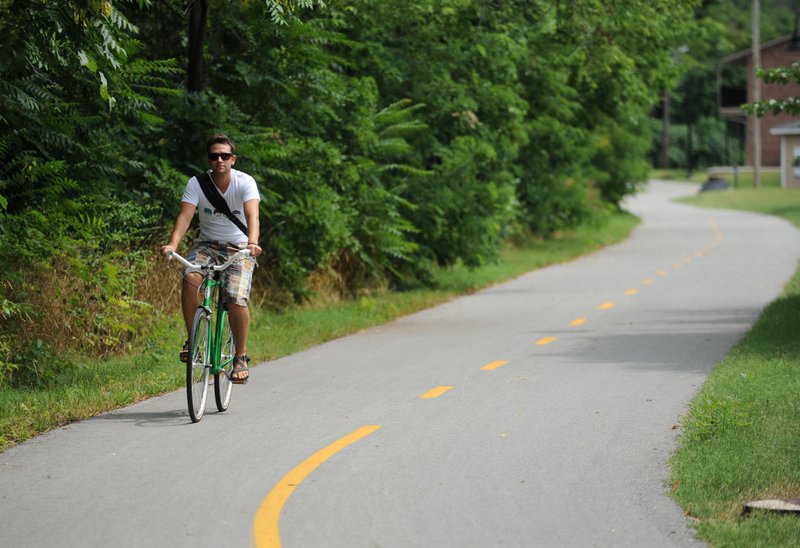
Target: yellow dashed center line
717,232
436,392
266,530
494,365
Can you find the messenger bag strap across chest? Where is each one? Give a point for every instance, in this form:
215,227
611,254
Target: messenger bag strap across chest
216,199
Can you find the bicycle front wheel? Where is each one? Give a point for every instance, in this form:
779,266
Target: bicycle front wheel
222,380
199,364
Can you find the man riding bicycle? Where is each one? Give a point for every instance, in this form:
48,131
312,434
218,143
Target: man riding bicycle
219,238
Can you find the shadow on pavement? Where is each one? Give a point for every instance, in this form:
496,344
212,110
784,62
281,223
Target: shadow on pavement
151,418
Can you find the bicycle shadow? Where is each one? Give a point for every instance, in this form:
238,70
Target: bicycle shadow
150,419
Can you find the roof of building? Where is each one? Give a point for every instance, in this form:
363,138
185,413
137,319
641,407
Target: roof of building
745,53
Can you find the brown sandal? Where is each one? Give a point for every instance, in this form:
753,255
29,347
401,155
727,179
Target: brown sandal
184,355
241,364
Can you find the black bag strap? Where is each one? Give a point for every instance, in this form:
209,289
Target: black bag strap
216,199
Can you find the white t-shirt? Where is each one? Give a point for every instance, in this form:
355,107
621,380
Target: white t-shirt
215,226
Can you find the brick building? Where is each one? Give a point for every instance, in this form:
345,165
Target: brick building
736,88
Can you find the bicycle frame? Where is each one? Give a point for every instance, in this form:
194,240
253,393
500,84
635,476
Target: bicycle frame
212,279
210,282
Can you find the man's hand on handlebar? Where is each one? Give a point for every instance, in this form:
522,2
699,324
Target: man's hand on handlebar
255,249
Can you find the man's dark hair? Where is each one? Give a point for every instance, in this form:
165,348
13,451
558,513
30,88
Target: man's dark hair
220,139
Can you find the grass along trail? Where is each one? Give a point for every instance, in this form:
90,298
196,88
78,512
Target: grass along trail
95,386
741,437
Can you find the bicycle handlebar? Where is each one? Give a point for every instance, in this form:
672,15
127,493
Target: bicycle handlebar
215,268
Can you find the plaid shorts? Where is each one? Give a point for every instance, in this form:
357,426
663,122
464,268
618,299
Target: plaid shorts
239,274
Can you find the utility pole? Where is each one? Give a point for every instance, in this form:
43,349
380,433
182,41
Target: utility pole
756,93
665,133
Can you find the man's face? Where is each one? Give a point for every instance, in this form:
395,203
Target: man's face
220,158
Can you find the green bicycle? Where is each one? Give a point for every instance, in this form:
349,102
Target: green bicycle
212,347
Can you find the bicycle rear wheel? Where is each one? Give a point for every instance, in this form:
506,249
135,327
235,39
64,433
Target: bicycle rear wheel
198,365
222,380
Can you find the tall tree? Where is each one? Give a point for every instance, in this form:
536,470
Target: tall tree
198,16
279,11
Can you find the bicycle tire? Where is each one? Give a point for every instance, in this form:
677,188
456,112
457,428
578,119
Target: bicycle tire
222,380
198,366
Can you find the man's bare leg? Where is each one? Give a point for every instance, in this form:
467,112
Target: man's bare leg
190,298
240,325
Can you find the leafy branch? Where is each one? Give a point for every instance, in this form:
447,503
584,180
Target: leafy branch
781,76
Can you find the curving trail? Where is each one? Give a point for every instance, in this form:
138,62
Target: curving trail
539,412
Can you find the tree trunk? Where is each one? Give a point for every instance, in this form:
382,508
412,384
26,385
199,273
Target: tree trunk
198,12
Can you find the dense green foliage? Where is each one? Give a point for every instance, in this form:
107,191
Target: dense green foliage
386,142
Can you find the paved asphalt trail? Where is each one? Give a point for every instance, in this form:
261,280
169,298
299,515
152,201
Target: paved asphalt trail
564,444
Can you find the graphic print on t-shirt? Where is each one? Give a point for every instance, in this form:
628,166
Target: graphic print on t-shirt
208,211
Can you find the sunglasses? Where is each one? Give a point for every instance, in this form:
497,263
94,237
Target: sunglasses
224,156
